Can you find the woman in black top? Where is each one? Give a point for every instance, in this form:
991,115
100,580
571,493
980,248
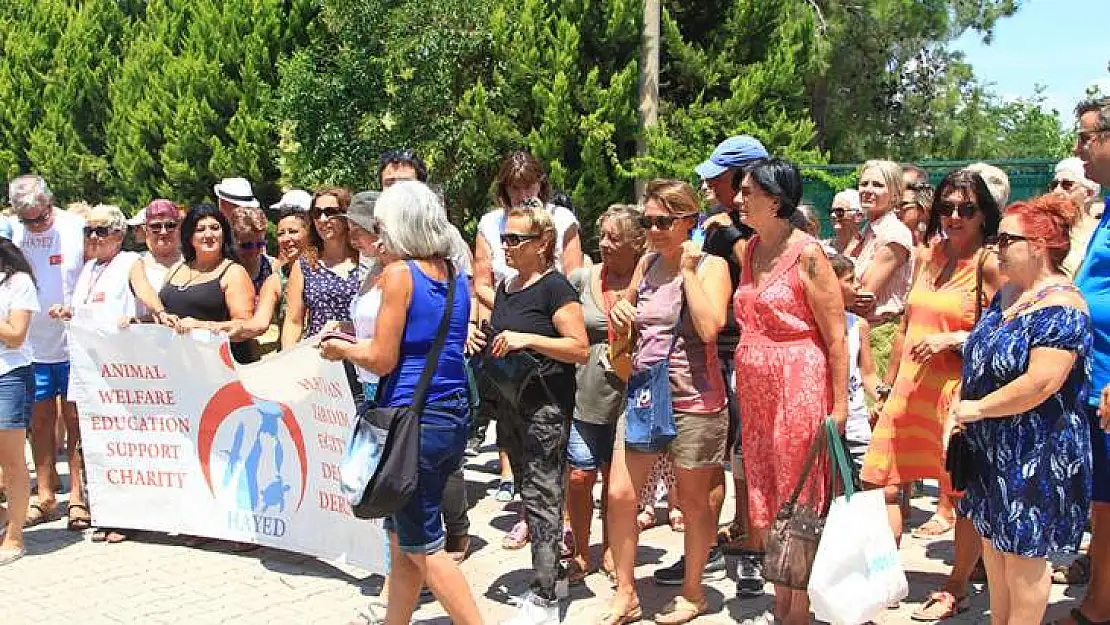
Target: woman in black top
209,288
538,312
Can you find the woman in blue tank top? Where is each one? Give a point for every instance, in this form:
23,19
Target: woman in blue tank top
414,227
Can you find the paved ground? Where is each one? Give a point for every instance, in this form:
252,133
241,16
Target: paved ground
155,579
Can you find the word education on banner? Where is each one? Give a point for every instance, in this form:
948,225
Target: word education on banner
179,439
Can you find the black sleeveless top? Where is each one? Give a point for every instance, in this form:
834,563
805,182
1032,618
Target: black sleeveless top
204,301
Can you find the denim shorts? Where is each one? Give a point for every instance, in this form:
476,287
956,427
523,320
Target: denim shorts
51,380
443,430
1100,454
590,445
17,391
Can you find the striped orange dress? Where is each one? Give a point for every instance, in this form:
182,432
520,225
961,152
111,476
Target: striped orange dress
906,442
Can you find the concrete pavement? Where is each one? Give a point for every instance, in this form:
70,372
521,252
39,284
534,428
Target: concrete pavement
156,579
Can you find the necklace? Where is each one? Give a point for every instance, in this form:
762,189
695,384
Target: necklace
1026,301
98,270
194,274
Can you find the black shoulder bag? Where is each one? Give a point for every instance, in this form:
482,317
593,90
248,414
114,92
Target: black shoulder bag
396,474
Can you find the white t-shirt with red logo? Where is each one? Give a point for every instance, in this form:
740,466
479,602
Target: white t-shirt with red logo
16,293
56,257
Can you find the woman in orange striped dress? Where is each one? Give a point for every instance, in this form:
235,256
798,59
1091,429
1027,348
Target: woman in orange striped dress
924,373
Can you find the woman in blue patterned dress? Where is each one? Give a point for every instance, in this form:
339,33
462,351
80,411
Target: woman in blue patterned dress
1026,376
324,279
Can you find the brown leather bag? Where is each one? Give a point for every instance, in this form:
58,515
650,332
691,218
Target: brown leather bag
796,531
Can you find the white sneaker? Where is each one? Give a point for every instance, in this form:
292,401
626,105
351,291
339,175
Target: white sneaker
533,609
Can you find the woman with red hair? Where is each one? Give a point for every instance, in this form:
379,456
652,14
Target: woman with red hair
1026,376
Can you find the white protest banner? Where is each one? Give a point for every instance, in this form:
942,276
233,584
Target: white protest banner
178,439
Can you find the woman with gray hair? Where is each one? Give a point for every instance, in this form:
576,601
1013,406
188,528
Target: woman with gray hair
414,288
846,217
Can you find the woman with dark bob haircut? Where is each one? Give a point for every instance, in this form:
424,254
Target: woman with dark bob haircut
956,276
208,288
792,358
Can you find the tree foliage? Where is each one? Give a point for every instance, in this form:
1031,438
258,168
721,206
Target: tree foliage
125,101
130,99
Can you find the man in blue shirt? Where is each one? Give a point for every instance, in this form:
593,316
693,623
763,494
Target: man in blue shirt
1093,279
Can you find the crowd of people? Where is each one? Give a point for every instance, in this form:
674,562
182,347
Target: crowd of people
932,314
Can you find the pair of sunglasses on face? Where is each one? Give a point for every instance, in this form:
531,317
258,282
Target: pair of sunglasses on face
1066,185
328,212
966,210
162,227
100,231
661,222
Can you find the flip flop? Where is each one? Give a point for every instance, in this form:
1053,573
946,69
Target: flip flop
936,526
941,605
680,611
78,522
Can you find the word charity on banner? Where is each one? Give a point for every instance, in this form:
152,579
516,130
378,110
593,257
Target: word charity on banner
179,439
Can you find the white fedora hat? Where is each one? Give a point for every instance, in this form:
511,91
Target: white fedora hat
237,191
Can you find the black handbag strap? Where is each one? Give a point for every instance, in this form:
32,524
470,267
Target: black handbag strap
419,394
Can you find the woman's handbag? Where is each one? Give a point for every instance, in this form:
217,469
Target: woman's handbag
649,414
958,460
384,453
796,531
509,375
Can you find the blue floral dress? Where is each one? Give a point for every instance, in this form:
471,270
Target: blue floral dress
1030,484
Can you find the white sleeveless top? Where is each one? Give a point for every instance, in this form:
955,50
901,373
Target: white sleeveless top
103,292
858,429
493,222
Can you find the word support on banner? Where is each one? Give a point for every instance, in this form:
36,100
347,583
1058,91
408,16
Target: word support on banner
178,438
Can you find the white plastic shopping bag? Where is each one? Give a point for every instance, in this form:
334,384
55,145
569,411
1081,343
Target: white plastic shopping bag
857,572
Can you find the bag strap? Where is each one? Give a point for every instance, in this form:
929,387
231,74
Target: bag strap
420,392
803,478
839,457
979,283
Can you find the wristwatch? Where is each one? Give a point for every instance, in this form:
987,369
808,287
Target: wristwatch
882,391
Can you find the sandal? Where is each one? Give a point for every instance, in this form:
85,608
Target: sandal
936,526
78,522
116,537
941,605
1078,572
680,611
634,615
517,537
646,519
677,521
37,514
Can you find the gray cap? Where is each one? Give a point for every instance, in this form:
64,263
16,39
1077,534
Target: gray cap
361,210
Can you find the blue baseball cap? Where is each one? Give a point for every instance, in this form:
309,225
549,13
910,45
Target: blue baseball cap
738,151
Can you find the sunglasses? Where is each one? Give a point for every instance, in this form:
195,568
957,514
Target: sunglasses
966,210
252,245
839,213
100,231
1066,185
1005,239
513,239
35,220
662,222
162,227
329,212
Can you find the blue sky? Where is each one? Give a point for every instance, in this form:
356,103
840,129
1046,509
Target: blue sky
1062,44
